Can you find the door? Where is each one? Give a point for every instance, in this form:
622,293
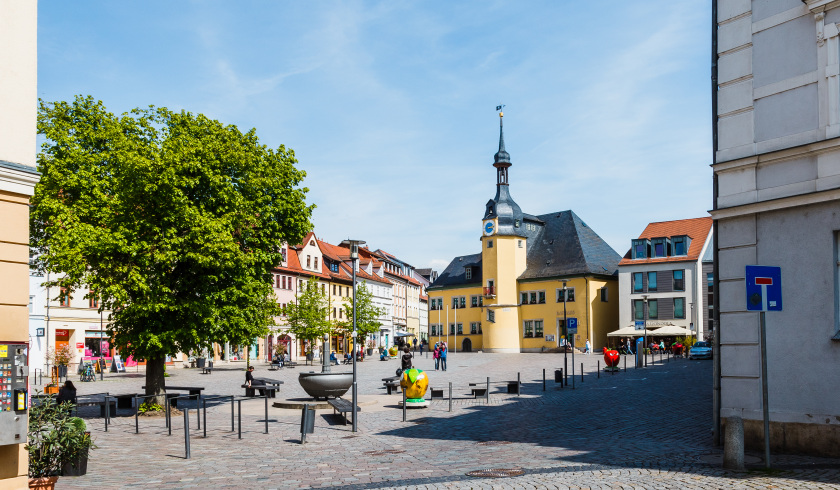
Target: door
466,345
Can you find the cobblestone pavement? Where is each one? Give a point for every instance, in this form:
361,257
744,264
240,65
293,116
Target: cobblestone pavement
643,428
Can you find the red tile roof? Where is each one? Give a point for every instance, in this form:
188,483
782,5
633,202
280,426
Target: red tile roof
697,229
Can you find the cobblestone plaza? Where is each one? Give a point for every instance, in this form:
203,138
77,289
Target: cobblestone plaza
643,428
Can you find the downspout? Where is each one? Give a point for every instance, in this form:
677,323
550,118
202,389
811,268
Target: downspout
716,393
588,314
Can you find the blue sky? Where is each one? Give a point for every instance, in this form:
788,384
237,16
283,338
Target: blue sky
389,105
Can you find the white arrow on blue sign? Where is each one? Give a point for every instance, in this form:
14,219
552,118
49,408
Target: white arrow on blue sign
764,288
640,325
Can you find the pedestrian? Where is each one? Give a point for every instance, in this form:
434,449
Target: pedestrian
588,347
421,346
436,355
406,359
443,351
415,344
629,350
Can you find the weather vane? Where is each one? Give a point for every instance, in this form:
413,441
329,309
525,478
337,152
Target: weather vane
499,108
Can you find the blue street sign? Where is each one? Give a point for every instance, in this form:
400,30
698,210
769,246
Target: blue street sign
571,325
640,324
764,288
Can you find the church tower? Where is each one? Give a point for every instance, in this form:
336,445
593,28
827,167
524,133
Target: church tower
503,258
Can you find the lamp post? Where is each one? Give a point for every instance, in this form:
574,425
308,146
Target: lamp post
354,256
645,299
101,371
566,334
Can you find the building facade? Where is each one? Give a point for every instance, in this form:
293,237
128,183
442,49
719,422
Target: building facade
18,111
661,280
532,274
776,95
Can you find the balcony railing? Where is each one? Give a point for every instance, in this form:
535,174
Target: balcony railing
490,292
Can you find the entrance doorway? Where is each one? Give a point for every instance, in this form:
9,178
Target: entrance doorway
466,345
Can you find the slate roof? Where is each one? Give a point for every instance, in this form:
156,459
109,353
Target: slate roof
565,246
455,272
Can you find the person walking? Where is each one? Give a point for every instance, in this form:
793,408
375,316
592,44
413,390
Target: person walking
436,355
588,347
443,352
415,344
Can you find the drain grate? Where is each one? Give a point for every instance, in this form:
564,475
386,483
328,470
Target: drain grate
383,452
493,443
497,472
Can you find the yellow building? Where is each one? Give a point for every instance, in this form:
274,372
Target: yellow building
532,274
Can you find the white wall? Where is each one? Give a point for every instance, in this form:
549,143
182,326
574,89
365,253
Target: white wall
18,80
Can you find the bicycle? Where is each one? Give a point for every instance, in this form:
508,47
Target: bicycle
87,373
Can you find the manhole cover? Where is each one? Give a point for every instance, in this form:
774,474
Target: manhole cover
384,452
497,472
493,443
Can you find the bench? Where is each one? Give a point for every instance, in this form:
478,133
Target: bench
436,393
391,384
207,370
274,366
342,406
89,401
124,400
513,387
194,391
476,391
269,391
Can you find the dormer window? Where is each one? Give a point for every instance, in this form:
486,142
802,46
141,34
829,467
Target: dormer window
680,244
641,248
468,273
660,247
516,223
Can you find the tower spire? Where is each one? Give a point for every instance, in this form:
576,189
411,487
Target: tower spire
501,160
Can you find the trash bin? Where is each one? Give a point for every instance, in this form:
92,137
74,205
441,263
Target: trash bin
307,421
558,375
199,362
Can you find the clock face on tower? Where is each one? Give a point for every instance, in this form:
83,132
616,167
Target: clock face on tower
489,228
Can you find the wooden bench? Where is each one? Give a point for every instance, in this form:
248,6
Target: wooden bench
194,391
342,406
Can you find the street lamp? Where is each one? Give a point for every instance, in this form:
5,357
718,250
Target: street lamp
354,256
566,334
645,299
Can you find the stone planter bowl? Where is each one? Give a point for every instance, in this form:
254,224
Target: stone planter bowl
325,385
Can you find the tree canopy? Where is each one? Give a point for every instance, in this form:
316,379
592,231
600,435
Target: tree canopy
172,218
308,314
367,313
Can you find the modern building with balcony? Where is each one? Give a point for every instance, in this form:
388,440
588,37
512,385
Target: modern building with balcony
532,274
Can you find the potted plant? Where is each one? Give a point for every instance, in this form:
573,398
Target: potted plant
61,357
371,344
55,440
51,389
76,458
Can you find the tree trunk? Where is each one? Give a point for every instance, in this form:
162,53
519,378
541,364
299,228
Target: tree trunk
155,381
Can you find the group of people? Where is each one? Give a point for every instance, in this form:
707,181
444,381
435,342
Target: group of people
440,355
281,359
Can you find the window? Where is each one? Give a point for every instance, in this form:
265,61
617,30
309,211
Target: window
334,266
653,309
570,295
638,286
476,301
659,247
679,283
836,285
64,297
489,243
460,329
434,329
710,282
93,301
333,289
459,302
679,307
640,248
604,297
334,312
479,327
316,263
473,328
516,223
340,313
529,329
491,316
541,297
451,329
538,328
520,243
323,289
651,281
308,261
468,273
523,298
638,309
680,244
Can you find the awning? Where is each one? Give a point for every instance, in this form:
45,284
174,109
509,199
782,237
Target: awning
630,332
671,331
401,333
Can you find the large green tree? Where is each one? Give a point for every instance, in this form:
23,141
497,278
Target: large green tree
172,218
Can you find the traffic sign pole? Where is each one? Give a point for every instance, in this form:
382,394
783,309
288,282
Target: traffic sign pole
764,404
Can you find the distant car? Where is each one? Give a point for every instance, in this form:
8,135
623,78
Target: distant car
700,350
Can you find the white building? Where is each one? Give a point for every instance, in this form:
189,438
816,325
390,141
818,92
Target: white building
776,91
664,267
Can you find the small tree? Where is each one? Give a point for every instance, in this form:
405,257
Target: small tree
308,315
367,313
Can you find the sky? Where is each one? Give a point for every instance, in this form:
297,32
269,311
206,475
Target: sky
390,106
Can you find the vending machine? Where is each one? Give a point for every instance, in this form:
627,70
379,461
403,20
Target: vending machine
14,396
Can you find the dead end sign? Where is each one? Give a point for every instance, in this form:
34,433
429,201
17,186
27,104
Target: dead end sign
764,288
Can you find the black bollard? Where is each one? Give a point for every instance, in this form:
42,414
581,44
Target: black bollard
197,411
565,371
187,431
581,372
136,415
239,416
487,391
205,417
599,369
266,412
543,379
231,414
625,363
404,404
107,413
450,396
166,415
518,385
